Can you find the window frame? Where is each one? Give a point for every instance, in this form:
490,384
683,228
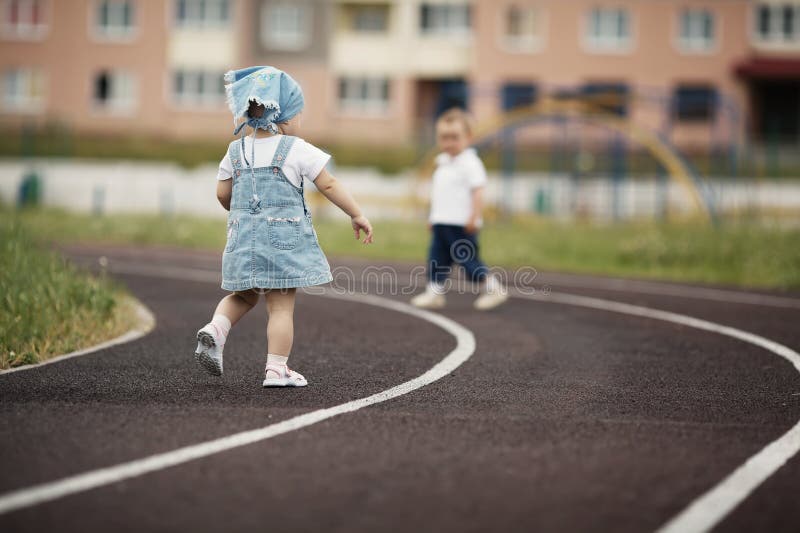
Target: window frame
352,18
775,36
28,31
364,107
621,87
509,86
198,22
202,99
522,44
305,32
604,44
691,45
30,104
445,12
676,105
119,34
114,105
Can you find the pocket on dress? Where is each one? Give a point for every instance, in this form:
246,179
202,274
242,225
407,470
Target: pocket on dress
284,233
233,235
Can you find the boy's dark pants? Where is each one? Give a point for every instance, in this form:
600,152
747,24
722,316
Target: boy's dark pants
453,244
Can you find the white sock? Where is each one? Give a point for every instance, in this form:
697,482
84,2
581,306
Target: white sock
273,359
436,288
223,325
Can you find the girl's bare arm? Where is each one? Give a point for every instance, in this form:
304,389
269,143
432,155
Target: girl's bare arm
224,188
334,191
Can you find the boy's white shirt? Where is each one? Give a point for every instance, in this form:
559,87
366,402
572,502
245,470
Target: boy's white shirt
304,160
454,179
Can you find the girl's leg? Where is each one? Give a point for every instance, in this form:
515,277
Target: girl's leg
235,305
211,337
280,323
280,335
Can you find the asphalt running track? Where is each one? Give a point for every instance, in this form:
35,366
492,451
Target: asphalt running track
568,414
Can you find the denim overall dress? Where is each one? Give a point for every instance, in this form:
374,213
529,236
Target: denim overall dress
271,241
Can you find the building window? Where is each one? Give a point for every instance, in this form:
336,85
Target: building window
364,95
114,19
445,19
367,18
695,103
521,28
778,23
202,13
114,91
286,26
518,95
198,88
609,29
23,90
24,19
696,30
607,97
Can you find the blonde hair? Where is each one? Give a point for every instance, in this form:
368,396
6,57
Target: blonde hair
456,114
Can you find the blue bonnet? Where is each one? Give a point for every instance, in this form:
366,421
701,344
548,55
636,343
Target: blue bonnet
280,95
278,92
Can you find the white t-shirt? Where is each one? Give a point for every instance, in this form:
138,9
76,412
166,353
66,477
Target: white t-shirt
303,161
453,181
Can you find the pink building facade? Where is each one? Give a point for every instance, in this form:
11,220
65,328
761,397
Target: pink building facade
378,71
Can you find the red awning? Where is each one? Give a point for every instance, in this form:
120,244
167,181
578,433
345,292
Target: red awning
768,68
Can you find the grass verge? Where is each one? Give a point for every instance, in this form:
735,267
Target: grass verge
736,253
55,140
49,307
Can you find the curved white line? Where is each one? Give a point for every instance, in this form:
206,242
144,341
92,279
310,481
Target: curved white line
710,508
465,347
704,512
144,318
669,289
641,286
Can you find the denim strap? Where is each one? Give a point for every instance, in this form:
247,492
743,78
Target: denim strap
282,151
235,154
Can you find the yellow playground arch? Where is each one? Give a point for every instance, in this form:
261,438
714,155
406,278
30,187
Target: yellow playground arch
591,110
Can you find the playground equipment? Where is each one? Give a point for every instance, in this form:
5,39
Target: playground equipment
602,110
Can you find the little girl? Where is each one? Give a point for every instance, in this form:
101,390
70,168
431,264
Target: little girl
272,247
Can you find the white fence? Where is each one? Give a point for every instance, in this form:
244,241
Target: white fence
135,187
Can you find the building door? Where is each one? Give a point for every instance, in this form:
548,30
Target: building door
433,98
777,110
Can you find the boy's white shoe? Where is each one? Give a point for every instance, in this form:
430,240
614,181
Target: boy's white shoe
429,300
209,350
496,294
282,376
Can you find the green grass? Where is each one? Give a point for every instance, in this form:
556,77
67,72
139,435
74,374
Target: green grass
736,253
57,141
48,306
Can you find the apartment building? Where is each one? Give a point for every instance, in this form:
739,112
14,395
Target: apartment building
377,71
142,67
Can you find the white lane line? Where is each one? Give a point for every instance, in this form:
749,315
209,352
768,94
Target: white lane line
666,289
641,287
704,512
711,507
465,347
146,322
